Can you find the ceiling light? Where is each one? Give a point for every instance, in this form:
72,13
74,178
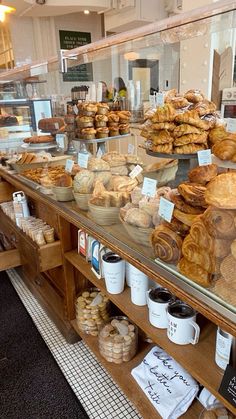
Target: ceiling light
86,12
4,10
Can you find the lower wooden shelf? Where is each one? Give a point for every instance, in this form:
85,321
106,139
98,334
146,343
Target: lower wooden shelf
122,376
9,259
198,359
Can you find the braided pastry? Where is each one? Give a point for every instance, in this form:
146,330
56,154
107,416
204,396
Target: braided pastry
195,272
166,244
220,223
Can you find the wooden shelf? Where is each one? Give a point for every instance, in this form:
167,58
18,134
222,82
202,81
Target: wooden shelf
122,376
198,359
9,259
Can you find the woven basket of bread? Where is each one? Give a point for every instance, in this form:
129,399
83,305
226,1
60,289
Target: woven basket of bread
104,216
139,235
82,200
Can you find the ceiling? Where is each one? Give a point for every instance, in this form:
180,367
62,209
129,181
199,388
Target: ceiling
55,7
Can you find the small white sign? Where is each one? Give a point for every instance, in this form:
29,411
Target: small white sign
69,165
131,149
61,140
231,125
36,70
204,157
83,160
159,99
149,187
166,209
136,171
75,109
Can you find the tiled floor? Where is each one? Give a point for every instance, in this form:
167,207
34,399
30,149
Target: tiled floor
99,395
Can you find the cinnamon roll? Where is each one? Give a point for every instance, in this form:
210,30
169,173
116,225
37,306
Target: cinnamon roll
166,244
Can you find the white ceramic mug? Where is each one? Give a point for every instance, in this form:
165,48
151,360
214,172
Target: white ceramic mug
158,300
114,272
182,326
138,285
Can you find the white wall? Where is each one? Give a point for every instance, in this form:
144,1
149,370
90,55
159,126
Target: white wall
22,40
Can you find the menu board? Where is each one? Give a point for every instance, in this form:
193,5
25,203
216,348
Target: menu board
74,39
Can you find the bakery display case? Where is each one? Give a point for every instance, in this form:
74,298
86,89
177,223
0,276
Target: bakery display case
19,118
181,235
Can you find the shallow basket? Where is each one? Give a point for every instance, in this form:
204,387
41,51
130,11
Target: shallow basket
63,193
139,235
104,216
82,200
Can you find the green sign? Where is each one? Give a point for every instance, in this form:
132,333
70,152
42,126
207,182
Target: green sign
70,40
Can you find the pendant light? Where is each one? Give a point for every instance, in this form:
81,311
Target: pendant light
4,10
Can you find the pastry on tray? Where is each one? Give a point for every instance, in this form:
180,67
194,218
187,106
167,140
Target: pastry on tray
225,149
194,96
185,218
182,205
192,118
185,129
190,139
199,255
161,137
166,113
189,148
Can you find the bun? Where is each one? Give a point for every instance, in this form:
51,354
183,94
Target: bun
193,193
96,164
203,174
124,116
221,191
113,118
123,183
88,133
83,181
102,132
195,272
84,121
220,223
138,218
167,244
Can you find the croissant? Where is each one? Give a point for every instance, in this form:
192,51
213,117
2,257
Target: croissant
195,272
169,95
161,137
217,247
221,191
205,107
191,138
179,102
194,96
187,219
192,118
162,148
181,205
170,126
164,113
203,174
193,193
189,148
219,133
196,254
225,149
185,129
166,244
220,223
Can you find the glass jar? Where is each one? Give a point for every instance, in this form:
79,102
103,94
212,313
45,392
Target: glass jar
92,310
118,340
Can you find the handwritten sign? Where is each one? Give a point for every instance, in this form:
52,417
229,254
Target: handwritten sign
204,157
228,385
83,160
69,165
166,209
149,187
136,171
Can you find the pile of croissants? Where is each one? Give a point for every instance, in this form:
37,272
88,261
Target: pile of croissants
201,237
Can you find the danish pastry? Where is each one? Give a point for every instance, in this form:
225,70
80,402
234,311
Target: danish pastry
196,254
187,219
195,272
181,205
193,193
167,244
203,174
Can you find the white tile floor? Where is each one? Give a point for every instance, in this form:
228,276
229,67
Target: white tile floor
78,364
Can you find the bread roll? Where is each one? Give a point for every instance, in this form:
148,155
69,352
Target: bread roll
103,176
203,174
221,191
83,181
195,272
220,223
138,218
166,244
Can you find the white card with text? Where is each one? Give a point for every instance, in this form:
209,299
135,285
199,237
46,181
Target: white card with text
149,187
166,209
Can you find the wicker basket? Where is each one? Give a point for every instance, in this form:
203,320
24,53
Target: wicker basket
63,193
82,200
164,175
104,216
56,161
138,234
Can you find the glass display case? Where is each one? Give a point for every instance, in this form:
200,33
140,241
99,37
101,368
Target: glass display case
19,119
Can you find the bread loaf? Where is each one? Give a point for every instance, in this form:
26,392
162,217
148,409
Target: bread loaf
51,124
83,181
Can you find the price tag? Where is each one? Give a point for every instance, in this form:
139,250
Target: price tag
83,160
159,99
136,171
75,109
36,70
166,209
204,157
149,187
69,165
131,149
152,101
61,140
231,124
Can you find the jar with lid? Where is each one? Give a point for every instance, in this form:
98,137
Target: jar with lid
92,310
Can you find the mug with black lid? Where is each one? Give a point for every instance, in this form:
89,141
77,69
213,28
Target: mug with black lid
158,300
114,272
182,327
